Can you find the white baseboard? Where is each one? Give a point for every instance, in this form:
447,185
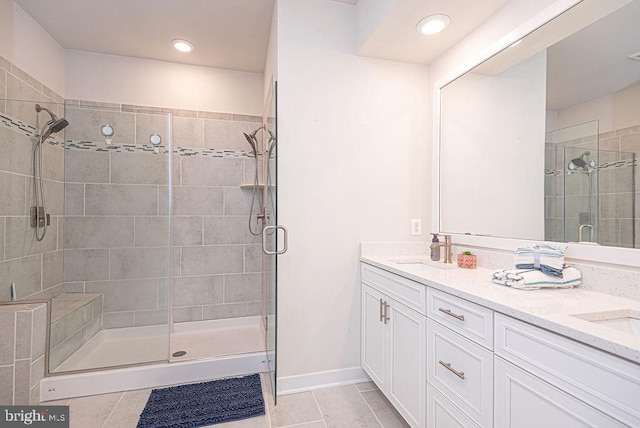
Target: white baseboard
311,381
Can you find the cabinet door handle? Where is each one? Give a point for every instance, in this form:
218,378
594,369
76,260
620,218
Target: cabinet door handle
386,312
451,314
381,313
451,369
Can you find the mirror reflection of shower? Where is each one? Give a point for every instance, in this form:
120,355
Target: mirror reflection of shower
260,190
583,165
40,219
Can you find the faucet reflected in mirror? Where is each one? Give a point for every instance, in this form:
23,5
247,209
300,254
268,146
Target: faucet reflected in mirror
447,247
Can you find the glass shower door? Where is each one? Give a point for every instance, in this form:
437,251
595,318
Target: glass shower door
270,239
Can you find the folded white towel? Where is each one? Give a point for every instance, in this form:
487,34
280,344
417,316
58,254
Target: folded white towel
547,257
534,279
550,250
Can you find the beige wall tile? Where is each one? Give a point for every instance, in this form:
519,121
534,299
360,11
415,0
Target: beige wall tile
187,230
39,338
147,124
197,290
23,334
126,295
117,319
37,371
187,314
24,109
98,232
25,272
210,171
52,269
86,265
8,338
197,200
86,124
62,351
210,260
74,199
252,258
115,199
22,393
153,317
12,197
86,166
6,385
228,230
138,168
151,232
17,148
228,135
90,329
237,201
20,238
243,288
630,143
232,310
132,263
53,161
188,132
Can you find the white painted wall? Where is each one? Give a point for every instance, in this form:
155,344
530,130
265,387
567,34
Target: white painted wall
492,179
615,111
118,79
370,13
27,45
352,137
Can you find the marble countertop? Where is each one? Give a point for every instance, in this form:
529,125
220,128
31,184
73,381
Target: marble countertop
551,309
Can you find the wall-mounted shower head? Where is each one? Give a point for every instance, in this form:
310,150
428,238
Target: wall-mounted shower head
579,162
251,139
55,125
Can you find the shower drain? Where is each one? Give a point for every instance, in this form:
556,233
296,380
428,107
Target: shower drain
179,354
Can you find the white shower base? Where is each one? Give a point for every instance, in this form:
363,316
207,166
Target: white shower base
215,349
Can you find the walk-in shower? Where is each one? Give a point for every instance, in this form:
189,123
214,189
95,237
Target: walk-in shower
142,249
589,189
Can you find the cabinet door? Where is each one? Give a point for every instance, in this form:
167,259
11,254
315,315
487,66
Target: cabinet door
441,413
524,401
374,337
407,362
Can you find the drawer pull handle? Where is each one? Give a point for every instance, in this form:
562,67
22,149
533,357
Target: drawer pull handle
451,314
451,369
381,313
386,312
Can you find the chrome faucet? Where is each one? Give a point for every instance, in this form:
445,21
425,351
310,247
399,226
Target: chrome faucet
447,247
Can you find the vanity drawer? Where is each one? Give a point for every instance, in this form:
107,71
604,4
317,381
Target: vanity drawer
403,290
608,383
442,413
462,371
473,321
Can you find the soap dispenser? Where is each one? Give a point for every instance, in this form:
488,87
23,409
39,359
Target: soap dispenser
435,249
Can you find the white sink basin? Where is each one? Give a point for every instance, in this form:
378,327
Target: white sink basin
627,321
421,263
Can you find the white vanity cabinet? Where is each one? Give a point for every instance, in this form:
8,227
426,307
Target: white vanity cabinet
393,341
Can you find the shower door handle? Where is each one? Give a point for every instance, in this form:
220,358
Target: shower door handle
264,240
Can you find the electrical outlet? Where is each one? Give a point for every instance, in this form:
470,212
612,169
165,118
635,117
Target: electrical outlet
416,226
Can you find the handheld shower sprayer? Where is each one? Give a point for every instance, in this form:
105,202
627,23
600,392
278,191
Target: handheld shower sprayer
39,217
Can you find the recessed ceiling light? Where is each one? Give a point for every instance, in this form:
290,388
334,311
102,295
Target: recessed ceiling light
182,45
433,24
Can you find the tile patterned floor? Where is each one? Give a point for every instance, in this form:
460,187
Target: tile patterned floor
361,405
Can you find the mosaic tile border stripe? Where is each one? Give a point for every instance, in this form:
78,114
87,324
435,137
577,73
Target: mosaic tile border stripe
101,146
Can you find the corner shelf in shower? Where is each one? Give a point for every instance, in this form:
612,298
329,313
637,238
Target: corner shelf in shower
252,186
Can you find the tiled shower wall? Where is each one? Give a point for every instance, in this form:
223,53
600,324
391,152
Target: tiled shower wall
619,194
116,214
35,267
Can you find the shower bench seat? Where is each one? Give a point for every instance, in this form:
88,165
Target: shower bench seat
75,318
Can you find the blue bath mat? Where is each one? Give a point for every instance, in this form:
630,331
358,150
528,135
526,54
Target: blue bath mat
202,404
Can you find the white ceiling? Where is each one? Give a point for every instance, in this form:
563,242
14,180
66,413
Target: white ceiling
397,39
231,34
234,34
593,62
